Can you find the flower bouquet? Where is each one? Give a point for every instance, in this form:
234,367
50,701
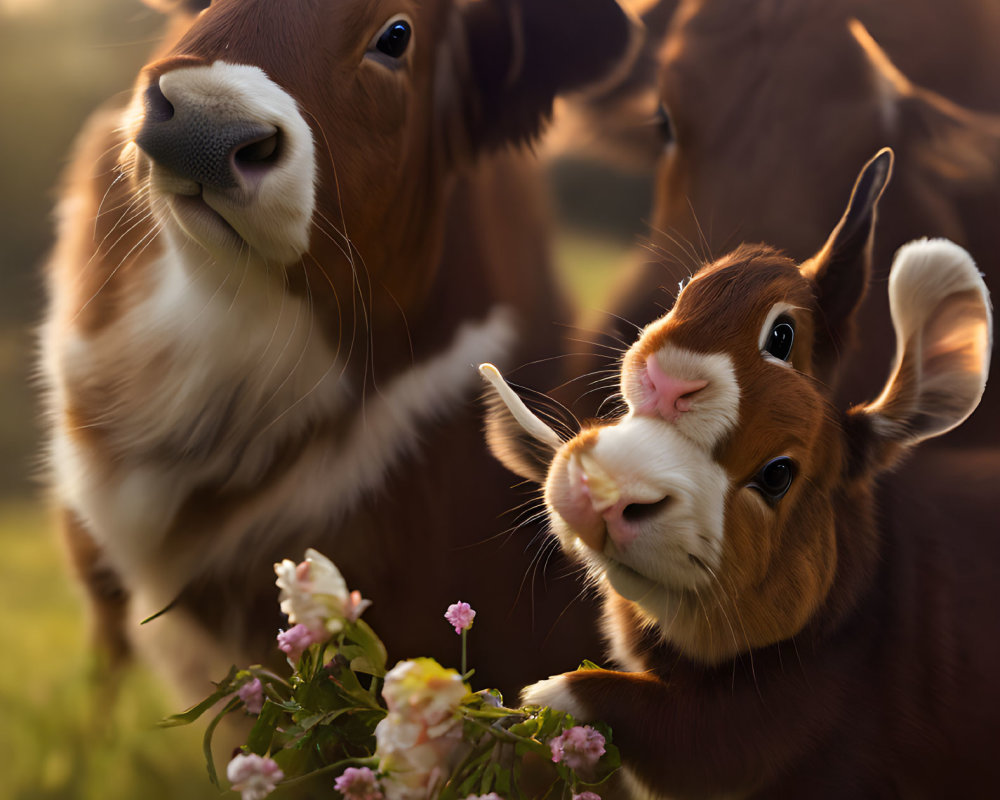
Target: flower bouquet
413,732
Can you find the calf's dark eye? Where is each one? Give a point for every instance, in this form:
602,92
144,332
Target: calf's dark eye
775,478
394,40
781,338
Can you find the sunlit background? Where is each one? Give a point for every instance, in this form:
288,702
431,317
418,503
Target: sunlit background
58,61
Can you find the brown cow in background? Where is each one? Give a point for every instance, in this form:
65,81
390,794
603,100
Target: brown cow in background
276,269
764,101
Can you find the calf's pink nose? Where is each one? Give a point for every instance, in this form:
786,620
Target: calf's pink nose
592,502
665,395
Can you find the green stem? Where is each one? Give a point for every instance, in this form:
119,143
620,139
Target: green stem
464,670
371,762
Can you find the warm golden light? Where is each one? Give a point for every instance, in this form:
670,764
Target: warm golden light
15,7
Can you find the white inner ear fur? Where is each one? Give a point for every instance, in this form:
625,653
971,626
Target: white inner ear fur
524,416
944,334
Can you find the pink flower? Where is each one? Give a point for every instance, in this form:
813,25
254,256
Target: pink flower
252,695
358,783
253,776
295,641
587,796
578,747
490,796
460,615
355,606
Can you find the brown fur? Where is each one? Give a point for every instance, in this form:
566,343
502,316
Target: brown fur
423,171
844,646
768,100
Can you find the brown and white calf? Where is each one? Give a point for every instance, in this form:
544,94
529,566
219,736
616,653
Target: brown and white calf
276,268
767,101
794,618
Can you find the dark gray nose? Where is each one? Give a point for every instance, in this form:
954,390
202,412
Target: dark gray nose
193,143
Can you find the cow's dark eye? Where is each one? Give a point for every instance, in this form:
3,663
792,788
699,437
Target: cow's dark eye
781,338
774,478
663,124
394,40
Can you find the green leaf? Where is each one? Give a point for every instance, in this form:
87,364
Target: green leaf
552,722
159,613
489,775
504,778
262,733
474,777
206,744
341,676
225,688
528,729
371,655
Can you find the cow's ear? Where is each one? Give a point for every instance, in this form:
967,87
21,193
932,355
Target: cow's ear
622,121
519,54
516,436
841,269
955,146
178,6
944,337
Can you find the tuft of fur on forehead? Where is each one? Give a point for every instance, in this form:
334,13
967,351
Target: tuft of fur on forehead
741,283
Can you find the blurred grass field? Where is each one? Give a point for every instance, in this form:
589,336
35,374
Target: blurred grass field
57,742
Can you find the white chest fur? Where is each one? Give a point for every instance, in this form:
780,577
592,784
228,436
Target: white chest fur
202,382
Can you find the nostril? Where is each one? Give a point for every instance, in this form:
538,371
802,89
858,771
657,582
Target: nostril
260,152
156,107
638,512
664,394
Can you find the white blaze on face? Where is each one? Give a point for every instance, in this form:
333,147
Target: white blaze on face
712,411
270,209
643,501
665,524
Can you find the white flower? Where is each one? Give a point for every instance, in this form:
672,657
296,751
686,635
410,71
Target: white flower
418,771
420,738
314,594
394,734
422,690
253,776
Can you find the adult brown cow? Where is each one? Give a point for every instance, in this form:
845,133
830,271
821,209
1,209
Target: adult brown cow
279,262
768,101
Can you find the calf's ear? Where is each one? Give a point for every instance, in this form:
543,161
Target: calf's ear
516,436
944,335
841,269
517,55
